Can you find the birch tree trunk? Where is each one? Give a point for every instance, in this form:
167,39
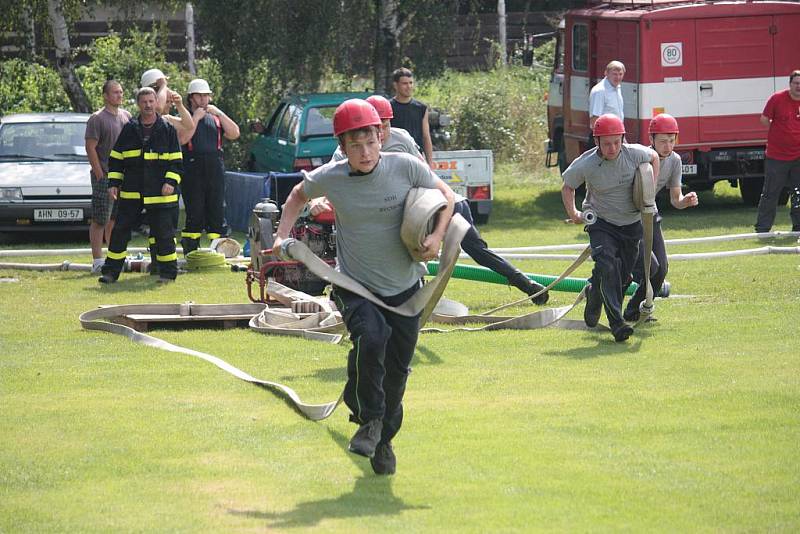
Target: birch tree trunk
72,85
501,23
190,38
387,44
30,31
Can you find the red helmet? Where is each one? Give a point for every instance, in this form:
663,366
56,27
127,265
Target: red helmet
608,124
382,106
354,114
663,123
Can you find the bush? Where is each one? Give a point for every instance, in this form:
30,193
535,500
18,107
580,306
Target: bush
29,87
504,109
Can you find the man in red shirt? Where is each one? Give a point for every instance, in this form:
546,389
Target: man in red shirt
782,166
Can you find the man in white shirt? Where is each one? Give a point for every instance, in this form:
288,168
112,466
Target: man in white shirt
606,95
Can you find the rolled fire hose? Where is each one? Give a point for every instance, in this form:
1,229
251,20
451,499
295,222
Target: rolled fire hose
423,301
205,259
227,246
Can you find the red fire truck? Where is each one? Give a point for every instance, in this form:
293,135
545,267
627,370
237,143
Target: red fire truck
712,65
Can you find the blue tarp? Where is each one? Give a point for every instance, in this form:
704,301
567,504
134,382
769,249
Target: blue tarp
243,190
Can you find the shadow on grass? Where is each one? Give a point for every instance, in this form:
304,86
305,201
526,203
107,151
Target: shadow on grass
371,495
425,356
330,374
606,346
127,283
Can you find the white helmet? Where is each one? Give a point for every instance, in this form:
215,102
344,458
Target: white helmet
152,76
198,86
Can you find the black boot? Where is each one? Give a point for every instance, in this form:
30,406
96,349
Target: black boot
529,287
153,261
189,245
594,306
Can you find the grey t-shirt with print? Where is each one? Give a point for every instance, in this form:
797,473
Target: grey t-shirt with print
609,183
670,172
369,213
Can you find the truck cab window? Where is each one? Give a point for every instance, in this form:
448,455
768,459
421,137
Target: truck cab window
580,47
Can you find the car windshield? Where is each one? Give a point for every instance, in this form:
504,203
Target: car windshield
319,122
43,141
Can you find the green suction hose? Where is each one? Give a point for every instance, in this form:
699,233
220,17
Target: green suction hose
483,274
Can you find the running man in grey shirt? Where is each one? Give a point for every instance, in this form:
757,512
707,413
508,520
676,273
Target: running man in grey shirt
368,192
608,172
663,133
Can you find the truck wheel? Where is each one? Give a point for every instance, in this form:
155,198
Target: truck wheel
751,190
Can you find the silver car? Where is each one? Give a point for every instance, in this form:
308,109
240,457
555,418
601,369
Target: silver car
44,172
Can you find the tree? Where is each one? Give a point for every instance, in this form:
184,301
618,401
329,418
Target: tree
72,86
387,42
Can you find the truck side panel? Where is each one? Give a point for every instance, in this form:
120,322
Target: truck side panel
787,48
735,68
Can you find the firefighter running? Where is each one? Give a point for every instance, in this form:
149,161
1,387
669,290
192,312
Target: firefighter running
608,172
144,171
204,184
663,132
368,191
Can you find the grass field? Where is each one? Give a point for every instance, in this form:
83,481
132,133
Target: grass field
692,425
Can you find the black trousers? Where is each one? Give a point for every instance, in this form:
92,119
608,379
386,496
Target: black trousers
779,174
659,266
162,229
379,362
478,249
614,251
203,189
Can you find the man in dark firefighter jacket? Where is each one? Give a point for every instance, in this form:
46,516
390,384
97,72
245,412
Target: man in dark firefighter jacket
204,184
145,168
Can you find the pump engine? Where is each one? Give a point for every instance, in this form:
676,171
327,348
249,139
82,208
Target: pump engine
317,233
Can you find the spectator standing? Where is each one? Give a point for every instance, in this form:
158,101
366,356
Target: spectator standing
102,130
606,96
203,186
144,171
782,166
411,114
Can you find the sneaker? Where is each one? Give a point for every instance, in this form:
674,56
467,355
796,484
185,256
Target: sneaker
594,305
107,279
534,288
529,287
163,280
384,462
622,332
366,438
97,266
